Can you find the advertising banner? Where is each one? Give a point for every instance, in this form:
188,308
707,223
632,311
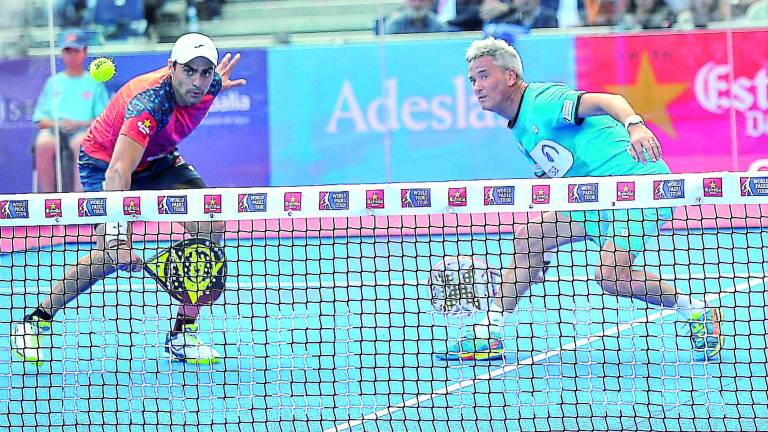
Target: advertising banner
708,115
21,81
390,113
230,148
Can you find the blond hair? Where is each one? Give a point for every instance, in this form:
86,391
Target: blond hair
503,55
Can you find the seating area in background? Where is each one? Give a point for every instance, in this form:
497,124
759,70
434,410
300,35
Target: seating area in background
141,23
274,21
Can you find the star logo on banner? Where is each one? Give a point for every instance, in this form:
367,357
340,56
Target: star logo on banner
650,97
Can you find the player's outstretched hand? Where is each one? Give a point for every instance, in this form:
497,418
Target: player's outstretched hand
121,256
643,144
225,69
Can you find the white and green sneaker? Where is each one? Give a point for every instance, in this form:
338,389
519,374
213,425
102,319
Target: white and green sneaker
25,340
186,346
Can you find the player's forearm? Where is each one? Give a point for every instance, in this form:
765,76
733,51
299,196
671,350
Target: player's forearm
592,104
48,123
117,179
125,160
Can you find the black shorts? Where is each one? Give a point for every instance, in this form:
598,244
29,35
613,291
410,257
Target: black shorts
167,172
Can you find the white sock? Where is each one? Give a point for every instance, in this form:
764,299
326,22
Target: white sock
688,306
493,321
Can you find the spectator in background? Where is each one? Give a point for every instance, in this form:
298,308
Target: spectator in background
74,99
208,9
525,13
604,12
152,9
647,14
71,13
507,19
699,14
461,15
416,17
13,43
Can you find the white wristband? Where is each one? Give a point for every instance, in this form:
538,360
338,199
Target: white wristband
116,231
632,120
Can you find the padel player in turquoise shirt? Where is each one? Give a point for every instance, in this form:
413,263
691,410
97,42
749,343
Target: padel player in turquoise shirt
569,133
560,144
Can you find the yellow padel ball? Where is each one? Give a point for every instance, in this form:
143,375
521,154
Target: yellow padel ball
102,69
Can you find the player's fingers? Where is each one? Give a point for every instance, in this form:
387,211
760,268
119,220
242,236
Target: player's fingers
135,264
221,67
230,63
237,82
655,149
649,149
633,150
642,152
234,61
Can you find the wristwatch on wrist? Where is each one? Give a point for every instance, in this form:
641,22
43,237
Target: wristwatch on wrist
632,120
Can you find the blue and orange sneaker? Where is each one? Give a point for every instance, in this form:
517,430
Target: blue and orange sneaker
705,333
469,347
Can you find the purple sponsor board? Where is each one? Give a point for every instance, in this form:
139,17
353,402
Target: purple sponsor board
338,200
172,204
668,189
416,197
582,193
499,195
754,186
252,202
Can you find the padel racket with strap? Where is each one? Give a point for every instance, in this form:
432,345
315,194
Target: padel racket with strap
193,271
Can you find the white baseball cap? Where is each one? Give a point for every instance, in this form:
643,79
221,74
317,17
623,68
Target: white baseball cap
192,45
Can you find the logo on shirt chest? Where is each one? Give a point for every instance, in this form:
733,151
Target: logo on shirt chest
554,159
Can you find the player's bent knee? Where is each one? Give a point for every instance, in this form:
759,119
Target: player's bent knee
217,231
612,277
218,227
509,303
522,233
213,231
45,142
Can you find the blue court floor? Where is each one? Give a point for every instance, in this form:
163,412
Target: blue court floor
338,334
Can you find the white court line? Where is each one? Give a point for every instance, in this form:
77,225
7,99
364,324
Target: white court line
532,360
110,284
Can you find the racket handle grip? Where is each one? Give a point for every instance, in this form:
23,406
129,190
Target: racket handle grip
116,232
